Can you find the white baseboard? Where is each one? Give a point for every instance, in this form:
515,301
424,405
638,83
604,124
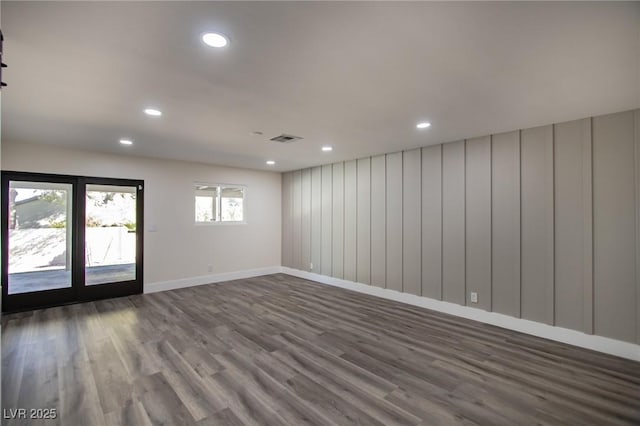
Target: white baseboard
572,337
209,279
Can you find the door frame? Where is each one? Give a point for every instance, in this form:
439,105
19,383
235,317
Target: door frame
58,296
120,288
78,292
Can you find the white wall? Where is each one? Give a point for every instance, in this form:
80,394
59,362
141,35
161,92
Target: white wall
179,249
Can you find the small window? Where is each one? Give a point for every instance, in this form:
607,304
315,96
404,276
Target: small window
219,203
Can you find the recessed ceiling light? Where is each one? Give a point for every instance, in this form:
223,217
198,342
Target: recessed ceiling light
126,142
423,125
153,112
327,148
215,40
271,162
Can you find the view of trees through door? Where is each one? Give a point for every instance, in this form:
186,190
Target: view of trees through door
110,234
40,236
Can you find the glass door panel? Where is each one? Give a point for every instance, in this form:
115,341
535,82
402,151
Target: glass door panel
69,239
40,236
110,234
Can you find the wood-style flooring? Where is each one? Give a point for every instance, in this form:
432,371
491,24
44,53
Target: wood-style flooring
280,350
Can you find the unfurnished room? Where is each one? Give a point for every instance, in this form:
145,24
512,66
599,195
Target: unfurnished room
321,213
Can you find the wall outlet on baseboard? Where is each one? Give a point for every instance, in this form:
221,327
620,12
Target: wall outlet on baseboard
210,268
311,266
474,297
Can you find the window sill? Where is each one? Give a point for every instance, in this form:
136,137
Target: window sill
220,223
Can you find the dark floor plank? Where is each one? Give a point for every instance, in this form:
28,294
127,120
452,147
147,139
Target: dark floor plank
224,417
160,401
133,413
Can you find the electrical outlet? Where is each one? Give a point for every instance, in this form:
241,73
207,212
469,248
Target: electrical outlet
474,297
210,269
311,266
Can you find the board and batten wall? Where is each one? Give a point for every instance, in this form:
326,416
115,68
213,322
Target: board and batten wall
543,223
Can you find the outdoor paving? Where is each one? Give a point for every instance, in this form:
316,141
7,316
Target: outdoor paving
26,282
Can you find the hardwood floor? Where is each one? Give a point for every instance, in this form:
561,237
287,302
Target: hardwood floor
282,350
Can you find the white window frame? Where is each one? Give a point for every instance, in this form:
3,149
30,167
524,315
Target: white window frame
220,186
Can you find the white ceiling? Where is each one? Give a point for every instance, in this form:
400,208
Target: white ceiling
357,76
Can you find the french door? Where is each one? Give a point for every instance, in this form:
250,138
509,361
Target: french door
68,239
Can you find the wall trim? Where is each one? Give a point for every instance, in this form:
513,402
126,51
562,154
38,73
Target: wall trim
209,279
572,337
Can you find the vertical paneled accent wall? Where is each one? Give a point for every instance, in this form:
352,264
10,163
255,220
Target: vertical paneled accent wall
453,226
614,241
296,218
432,222
411,222
350,220
316,219
363,221
505,229
536,224
378,221
337,251
478,220
305,248
573,201
637,170
326,232
287,220
541,223
394,221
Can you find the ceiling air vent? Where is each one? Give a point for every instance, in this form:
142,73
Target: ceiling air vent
284,138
